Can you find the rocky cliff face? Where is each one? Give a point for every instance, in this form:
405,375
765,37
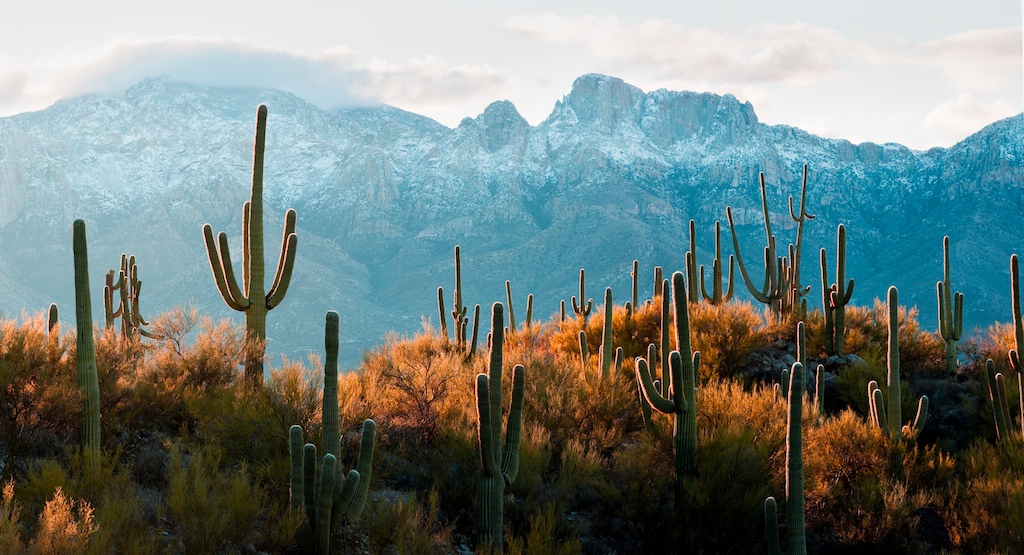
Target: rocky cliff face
383,196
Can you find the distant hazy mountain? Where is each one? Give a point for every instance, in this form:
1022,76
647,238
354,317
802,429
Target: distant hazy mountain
384,195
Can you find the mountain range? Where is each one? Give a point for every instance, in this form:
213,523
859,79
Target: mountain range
383,196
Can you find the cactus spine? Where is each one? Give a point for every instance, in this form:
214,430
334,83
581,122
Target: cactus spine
88,381
889,418
328,506
682,404
581,310
717,297
951,310
254,300
500,465
835,297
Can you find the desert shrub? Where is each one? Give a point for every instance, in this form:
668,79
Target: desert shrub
543,537
396,523
64,527
10,525
984,510
867,334
213,509
38,393
412,386
726,336
855,492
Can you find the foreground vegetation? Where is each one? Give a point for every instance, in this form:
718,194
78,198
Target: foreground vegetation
195,459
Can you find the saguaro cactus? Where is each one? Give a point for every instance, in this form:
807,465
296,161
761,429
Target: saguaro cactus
328,506
88,381
717,297
459,320
499,464
795,527
606,352
581,310
129,287
951,310
682,403
890,417
692,283
835,297
52,318
253,300
782,290
997,396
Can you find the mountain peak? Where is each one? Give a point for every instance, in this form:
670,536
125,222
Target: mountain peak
600,98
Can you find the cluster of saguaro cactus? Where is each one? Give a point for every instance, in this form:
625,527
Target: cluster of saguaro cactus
996,381
819,374
951,310
889,417
459,320
499,464
329,504
254,300
795,528
997,396
511,313
682,402
717,295
782,290
129,288
88,381
582,310
835,297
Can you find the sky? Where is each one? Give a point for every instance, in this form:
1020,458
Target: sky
922,73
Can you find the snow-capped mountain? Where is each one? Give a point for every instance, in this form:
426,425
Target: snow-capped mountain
384,195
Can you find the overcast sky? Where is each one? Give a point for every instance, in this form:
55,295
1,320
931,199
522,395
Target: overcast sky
921,73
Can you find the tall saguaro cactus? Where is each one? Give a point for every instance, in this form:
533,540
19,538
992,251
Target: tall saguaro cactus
459,320
253,298
682,403
782,290
796,531
499,464
578,307
951,310
88,381
890,417
327,506
717,297
835,297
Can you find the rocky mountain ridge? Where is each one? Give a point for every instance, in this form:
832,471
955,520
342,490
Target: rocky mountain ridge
383,196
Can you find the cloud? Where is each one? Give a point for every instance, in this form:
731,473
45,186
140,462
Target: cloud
331,78
959,117
429,82
795,53
765,53
980,60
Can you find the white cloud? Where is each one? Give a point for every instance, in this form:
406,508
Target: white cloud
980,60
965,114
331,78
795,53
